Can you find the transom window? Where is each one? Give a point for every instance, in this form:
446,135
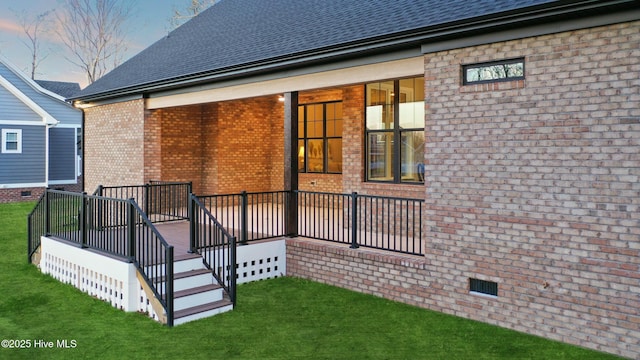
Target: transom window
395,130
11,141
505,70
320,137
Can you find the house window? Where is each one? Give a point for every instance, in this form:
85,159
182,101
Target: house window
505,70
320,138
11,141
395,131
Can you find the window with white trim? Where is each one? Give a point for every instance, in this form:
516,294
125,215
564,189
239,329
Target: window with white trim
11,141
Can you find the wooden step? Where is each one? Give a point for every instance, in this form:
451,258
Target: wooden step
195,290
202,311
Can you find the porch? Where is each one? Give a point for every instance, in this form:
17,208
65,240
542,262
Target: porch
180,236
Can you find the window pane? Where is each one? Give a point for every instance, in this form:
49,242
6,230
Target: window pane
494,71
300,122
380,156
334,128
379,105
12,137
412,156
315,155
412,103
334,155
301,167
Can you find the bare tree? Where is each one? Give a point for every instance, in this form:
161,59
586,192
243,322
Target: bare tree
197,6
94,32
33,27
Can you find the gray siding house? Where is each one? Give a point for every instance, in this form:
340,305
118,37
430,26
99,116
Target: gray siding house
39,138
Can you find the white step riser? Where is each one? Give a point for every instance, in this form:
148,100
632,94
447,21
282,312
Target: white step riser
197,299
192,282
178,267
203,315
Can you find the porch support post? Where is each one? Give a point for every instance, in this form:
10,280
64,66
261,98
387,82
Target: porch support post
291,163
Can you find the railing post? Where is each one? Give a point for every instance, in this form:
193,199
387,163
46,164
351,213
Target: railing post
193,224
47,212
244,209
232,271
146,199
131,230
291,214
169,288
354,220
82,219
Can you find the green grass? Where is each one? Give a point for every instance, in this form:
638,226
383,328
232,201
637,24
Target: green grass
284,318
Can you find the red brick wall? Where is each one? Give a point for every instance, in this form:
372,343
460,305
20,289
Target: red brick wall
15,194
181,145
534,184
114,145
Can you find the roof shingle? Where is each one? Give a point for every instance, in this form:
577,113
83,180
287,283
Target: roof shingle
239,33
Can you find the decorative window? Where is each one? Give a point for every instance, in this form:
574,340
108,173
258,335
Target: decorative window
505,70
395,131
11,141
320,138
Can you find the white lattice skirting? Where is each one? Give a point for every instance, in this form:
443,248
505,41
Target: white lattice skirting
107,279
116,282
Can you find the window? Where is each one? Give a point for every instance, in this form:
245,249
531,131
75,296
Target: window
320,138
395,131
505,70
11,141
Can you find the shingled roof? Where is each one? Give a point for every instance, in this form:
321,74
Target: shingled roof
62,88
238,37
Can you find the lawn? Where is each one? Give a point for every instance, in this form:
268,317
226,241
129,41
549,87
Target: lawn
284,318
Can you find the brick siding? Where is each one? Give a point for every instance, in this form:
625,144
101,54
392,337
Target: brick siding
531,184
534,184
114,145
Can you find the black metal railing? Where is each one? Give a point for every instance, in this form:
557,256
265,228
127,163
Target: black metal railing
249,216
162,201
380,222
117,227
387,223
217,246
325,216
36,225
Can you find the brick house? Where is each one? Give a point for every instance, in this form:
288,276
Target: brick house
517,122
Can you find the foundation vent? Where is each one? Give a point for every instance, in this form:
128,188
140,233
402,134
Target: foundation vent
483,287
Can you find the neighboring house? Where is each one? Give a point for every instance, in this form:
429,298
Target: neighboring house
40,134
517,122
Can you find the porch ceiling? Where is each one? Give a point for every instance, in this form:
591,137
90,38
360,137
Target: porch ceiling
346,76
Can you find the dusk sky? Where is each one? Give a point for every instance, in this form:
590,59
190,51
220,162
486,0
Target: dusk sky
149,23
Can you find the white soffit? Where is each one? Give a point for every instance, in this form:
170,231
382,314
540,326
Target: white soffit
332,78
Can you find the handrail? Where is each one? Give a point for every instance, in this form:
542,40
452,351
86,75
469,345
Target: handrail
215,244
36,225
153,257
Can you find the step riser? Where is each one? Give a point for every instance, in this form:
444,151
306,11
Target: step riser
197,299
178,267
202,315
192,282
